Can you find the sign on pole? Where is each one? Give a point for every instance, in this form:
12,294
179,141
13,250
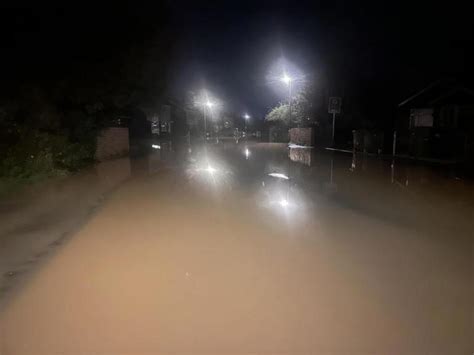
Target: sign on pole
334,107
335,104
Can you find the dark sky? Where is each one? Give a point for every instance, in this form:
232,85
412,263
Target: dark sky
360,48
375,51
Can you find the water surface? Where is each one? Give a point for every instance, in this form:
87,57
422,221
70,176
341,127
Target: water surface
259,249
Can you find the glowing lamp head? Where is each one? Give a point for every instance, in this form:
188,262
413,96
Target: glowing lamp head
209,104
246,116
286,79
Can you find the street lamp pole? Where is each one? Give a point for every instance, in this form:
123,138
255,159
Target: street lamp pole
289,99
246,118
207,106
287,80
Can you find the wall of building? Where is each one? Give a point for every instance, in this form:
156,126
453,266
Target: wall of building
112,142
302,136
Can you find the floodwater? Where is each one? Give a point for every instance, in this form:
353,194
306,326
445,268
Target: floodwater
258,249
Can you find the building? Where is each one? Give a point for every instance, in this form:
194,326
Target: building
437,122
168,118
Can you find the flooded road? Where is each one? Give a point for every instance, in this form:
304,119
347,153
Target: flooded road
259,249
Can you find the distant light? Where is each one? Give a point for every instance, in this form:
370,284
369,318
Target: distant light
156,146
209,104
247,116
286,79
247,153
279,176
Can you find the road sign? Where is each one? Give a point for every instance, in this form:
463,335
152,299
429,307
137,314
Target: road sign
334,107
335,104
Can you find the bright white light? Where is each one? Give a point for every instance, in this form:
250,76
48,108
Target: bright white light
210,170
279,176
207,102
284,203
291,145
284,75
156,146
247,153
286,79
246,116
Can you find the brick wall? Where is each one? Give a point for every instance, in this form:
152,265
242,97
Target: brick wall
112,142
301,136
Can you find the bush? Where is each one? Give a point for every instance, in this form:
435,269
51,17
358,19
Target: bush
74,156
42,154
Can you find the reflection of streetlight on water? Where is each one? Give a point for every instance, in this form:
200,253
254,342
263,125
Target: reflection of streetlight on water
284,203
210,169
247,153
279,176
331,186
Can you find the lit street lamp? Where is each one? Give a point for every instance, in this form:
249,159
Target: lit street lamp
206,105
246,118
287,80
209,105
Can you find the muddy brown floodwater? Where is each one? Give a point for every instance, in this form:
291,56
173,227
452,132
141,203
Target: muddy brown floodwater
258,249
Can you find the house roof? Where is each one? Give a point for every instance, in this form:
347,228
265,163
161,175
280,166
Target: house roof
439,92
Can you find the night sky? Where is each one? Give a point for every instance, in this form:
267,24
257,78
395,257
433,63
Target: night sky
373,52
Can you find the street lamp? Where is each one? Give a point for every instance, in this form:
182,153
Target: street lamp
287,80
246,118
209,105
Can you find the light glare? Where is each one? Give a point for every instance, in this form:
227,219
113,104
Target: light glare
284,203
279,176
286,79
211,170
